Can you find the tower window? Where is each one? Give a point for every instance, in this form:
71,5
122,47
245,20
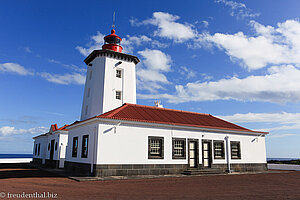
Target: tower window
119,73
118,95
86,110
91,72
89,91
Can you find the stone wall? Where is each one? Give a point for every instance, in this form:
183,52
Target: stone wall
242,167
83,169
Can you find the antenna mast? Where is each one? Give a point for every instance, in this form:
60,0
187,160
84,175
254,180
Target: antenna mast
114,20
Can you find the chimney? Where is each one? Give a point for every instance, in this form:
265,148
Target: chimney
158,104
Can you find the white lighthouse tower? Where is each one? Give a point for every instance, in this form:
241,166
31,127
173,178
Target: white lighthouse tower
110,79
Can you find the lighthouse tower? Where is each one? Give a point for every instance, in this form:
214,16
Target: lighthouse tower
110,79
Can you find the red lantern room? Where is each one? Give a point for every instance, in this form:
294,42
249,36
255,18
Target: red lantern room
112,42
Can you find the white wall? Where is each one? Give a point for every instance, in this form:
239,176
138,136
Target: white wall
129,145
43,141
104,84
79,132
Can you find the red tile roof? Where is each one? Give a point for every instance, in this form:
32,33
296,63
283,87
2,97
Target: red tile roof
151,114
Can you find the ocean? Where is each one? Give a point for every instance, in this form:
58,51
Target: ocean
15,156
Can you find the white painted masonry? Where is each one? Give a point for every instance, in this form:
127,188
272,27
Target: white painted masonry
127,143
102,82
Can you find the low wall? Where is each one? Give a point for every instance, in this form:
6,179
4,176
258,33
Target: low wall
242,167
83,169
284,167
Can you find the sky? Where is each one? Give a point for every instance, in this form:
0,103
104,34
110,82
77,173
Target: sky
238,60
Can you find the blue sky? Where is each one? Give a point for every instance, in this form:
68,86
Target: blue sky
239,60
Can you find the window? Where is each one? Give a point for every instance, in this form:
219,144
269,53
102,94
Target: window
156,147
235,150
219,152
91,72
85,144
49,147
75,147
119,73
39,149
86,110
55,146
89,92
35,149
178,148
118,95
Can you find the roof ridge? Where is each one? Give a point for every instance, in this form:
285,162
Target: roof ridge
153,107
116,110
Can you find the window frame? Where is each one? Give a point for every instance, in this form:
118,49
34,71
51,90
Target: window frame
223,149
75,150
184,148
119,91
154,156
35,149
239,150
39,149
118,75
85,155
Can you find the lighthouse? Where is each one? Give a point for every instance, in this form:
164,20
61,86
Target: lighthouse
110,79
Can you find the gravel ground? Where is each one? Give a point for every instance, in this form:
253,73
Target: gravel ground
279,185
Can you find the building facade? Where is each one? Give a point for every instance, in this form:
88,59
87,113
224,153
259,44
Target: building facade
117,137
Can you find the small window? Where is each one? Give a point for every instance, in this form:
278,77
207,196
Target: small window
89,92
55,146
155,147
49,147
35,149
85,144
219,152
119,73
235,150
178,148
39,149
75,147
118,95
86,110
91,72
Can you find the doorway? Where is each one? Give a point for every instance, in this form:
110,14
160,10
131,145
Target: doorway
52,149
193,153
206,149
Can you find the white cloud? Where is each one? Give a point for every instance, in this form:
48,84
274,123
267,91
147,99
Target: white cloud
186,73
64,79
27,50
68,66
130,42
281,135
10,130
282,117
280,85
14,68
238,9
279,121
205,23
96,43
150,74
271,45
169,28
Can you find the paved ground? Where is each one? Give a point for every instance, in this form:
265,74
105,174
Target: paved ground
278,185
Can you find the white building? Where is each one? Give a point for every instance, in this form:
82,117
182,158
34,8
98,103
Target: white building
50,148
118,137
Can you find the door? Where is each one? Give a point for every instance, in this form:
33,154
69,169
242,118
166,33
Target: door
206,148
52,149
193,154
